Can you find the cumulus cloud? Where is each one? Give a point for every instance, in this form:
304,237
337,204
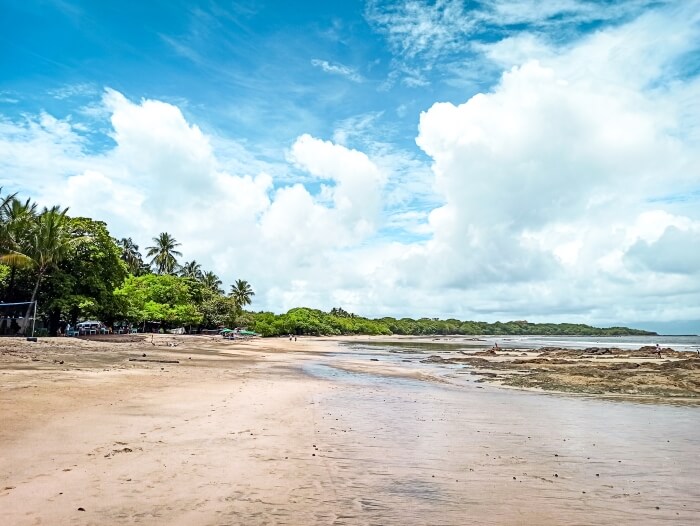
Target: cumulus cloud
153,137
357,180
541,146
552,179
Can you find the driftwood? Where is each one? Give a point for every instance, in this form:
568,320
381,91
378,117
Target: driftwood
152,360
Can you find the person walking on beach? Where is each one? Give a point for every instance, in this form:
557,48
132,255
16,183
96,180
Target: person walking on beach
658,350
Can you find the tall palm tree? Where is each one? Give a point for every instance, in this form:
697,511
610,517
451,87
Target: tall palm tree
163,253
47,243
242,293
5,237
130,255
212,282
5,200
191,269
16,218
18,215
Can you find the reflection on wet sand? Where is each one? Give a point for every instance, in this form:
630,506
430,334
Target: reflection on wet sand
405,451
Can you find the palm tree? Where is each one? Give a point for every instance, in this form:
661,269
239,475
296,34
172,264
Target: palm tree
163,253
4,202
191,269
16,219
242,292
47,243
131,255
212,282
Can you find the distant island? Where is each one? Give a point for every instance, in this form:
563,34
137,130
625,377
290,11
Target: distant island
305,321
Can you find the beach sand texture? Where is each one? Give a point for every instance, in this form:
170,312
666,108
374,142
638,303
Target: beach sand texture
309,432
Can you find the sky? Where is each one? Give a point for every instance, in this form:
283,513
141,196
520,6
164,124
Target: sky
485,160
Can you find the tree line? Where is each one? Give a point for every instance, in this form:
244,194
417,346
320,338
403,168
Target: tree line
304,321
76,270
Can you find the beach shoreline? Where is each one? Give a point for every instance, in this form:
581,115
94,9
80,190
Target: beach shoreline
198,430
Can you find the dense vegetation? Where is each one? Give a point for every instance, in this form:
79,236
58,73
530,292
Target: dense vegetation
76,270
336,322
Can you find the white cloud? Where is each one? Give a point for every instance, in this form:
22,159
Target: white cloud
541,146
154,138
39,151
552,179
560,12
96,195
337,69
546,195
8,97
357,180
417,27
450,35
74,90
356,127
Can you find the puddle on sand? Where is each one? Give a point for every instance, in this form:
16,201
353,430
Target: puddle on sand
402,451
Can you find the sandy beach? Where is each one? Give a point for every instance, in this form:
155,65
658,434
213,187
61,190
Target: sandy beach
196,430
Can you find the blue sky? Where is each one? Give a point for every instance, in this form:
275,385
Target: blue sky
508,159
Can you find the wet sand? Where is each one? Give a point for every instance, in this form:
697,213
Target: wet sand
310,432
640,374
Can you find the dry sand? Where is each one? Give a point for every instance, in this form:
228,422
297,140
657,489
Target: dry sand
242,433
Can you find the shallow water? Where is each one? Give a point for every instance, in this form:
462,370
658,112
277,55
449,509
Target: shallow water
455,343
678,343
404,451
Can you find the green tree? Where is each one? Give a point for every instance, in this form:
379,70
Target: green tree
83,283
163,253
218,311
164,298
16,221
242,293
130,255
191,269
48,242
212,282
